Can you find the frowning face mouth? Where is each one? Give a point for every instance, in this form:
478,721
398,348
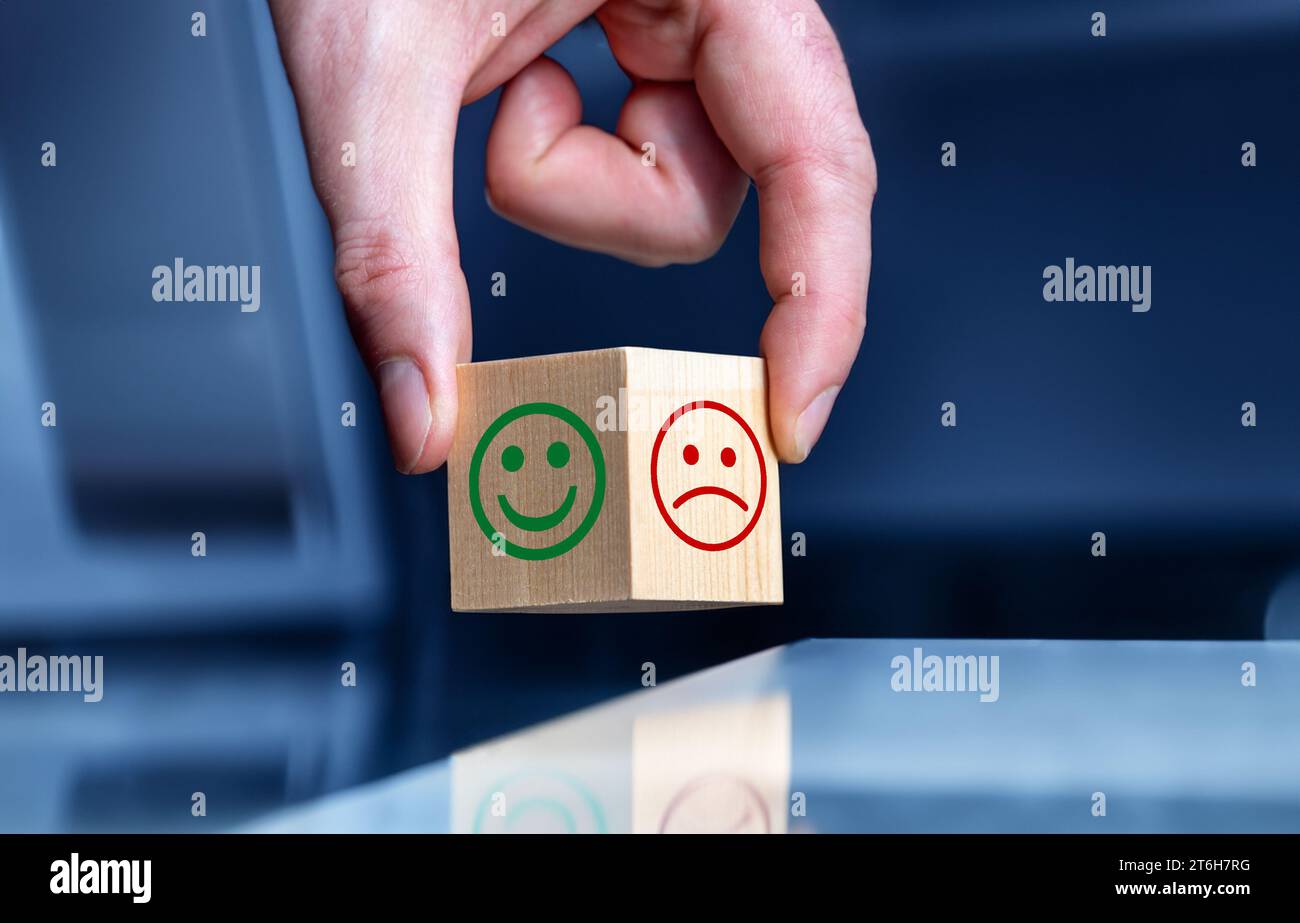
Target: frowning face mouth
707,490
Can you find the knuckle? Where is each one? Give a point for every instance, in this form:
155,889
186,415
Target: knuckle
862,163
840,315
831,321
495,179
845,161
850,315
374,267
503,185
833,151
700,241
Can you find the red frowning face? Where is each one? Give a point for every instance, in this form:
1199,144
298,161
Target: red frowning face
708,475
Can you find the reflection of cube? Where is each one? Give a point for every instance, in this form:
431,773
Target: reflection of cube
619,479
718,768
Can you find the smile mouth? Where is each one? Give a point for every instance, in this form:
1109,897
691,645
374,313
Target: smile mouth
716,491
538,523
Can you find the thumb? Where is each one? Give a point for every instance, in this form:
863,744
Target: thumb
379,118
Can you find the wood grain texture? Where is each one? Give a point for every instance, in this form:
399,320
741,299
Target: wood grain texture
665,566
639,553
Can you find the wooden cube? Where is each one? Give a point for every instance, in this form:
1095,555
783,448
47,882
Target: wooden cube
615,480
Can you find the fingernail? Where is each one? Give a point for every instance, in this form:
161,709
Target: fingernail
405,398
812,421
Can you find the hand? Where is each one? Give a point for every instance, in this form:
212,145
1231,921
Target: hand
727,91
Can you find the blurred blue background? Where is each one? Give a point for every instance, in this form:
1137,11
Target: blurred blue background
222,673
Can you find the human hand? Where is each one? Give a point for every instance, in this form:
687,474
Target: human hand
727,90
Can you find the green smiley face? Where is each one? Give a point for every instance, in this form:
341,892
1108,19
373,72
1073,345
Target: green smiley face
513,461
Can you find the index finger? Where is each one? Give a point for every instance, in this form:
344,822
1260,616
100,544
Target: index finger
776,88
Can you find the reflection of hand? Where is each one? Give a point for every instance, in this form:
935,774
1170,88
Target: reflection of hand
725,89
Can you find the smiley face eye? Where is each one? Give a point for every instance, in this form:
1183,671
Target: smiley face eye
728,456
557,453
512,458
690,454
